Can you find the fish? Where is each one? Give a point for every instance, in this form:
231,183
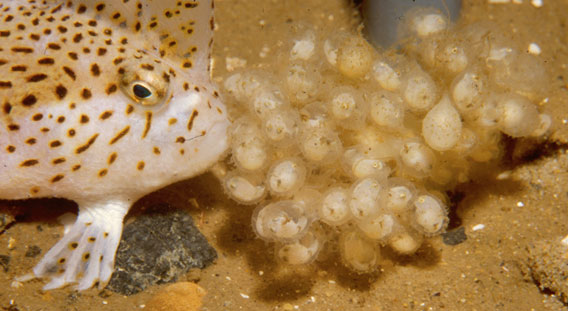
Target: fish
103,102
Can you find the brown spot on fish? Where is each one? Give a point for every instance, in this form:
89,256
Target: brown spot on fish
95,70
60,91
103,172
78,37
57,178
5,84
53,46
46,61
37,77
105,115
73,56
148,124
25,50
84,119
194,114
111,89
29,100
86,93
112,158
70,73
13,127
86,146
55,144
7,108
140,165
58,161
21,68
120,134
30,162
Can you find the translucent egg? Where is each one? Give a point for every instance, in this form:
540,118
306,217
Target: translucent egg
487,114
358,253
302,83
387,110
354,57
286,176
281,127
467,90
365,196
545,121
388,78
419,91
430,215
442,126
347,107
517,116
378,227
467,141
281,221
301,252
243,85
334,208
250,152
399,194
360,165
266,102
427,22
304,48
453,58
243,190
418,158
405,243
320,145
522,72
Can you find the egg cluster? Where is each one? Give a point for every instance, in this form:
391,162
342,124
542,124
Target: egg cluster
342,144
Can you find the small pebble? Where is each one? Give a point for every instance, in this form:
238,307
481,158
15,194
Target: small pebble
182,296
534,49
478,227
537,3
454,237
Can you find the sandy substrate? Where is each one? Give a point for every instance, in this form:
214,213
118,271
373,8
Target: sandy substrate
488,271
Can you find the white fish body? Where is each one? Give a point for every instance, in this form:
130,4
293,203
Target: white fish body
102,102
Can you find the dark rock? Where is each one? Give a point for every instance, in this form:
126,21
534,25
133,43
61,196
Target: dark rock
157,248
454,237
33,251
5,262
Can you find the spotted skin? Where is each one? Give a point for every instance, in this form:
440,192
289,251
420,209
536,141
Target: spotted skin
103,102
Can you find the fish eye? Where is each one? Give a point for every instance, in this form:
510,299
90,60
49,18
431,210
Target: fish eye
144,93
146,88
140,91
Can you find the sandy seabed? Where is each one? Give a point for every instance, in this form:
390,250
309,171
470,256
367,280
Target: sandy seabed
488,271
